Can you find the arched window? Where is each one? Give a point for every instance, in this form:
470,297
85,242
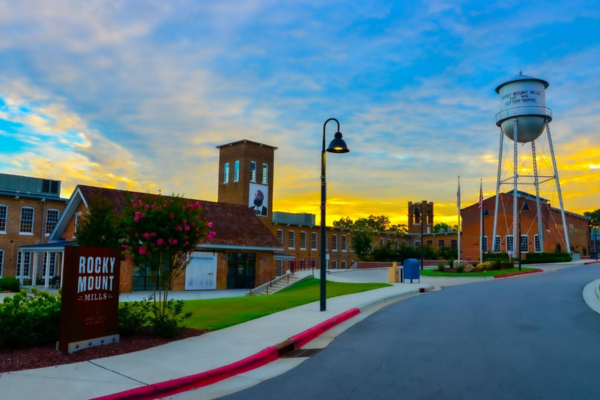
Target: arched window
236,171
252,171
226,173
265,174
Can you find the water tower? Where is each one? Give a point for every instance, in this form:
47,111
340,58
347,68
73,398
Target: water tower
523,117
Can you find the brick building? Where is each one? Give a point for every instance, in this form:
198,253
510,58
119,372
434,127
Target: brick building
29,210
578,227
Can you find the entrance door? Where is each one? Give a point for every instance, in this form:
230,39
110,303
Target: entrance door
201,273
241,271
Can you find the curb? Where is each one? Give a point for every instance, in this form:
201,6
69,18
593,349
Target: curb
591,295
592,262
519,273
272,353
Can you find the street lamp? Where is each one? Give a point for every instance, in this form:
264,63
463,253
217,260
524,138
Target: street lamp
484,213
416,214
525,207
337,145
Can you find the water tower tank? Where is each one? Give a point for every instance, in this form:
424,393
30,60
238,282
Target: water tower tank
524,98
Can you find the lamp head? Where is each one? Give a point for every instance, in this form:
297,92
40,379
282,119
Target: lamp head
337,145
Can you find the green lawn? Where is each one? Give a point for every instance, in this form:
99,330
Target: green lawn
214,314
435,272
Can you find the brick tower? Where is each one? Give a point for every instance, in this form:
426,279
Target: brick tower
425,213
246,172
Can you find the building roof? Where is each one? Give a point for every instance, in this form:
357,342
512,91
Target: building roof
522,77
29,195
236,225
246,141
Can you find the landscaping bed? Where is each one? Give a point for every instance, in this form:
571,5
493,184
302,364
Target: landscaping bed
48,356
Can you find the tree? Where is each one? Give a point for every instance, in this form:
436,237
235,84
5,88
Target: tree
594,215
362,243
441,227
343,223
100,227
160,233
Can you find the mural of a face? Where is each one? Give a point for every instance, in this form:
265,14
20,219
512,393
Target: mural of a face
258,198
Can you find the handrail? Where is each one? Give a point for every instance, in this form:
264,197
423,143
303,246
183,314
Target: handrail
523,111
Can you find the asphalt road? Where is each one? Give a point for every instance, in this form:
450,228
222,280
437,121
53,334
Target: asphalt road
531,337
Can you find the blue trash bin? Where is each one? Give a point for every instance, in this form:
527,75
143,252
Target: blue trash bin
411,269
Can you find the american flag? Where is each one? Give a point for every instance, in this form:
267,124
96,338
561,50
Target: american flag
480,195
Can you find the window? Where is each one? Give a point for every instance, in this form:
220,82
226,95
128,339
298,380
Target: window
52,261
1,262
510,244
265,174
280,236
303,240
344,243
226,173
313,263
303,264
334,264
51,220
278,267
484,245
236,171
536,244
3,217
26,221
430,243
334,242
344,264
252,171
454,244
292,239
77,218
440,243
381,241
524,243
26,264
313,241
417,243
497,244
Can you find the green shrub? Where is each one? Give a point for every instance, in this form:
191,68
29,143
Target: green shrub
497,265
460,269
540,258
441,267
29,320
10,284
451,262
134,316
495,257
170,324
506,265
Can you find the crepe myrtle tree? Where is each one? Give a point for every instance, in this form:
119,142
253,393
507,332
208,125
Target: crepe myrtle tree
160,232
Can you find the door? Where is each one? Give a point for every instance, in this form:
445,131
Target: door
201,273
241,271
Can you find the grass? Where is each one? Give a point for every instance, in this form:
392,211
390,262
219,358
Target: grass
483,274
215,314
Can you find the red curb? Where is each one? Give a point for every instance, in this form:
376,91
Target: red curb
206,378
302,338
519,273
592,262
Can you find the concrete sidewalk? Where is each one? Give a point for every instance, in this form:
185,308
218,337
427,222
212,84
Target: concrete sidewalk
104,376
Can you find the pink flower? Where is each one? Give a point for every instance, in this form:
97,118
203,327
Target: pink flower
124,246
137,219
186,243
174,241
209,224
197,205
143,250
160,242
153,234
147,235
146,206
187,228
179,228
171,215
127,257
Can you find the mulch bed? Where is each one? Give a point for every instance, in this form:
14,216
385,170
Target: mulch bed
48,356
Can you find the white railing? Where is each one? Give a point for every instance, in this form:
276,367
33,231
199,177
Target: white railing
524,110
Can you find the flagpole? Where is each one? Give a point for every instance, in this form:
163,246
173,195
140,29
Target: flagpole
458,206
480,221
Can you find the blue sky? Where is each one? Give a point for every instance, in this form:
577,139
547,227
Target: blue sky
137,94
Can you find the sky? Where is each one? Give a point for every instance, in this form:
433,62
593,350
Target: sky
136,95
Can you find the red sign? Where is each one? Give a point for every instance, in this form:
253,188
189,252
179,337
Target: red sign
90,298
468,258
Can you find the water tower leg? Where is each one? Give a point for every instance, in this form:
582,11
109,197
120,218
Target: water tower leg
494,248
560,199
537,200
516,241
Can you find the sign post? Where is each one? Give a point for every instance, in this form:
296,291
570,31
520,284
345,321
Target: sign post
90,298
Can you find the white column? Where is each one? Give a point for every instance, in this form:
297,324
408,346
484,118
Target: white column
538,202
22,267
497,190
47,270
62,267
34,272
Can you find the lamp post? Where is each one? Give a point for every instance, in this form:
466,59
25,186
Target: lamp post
594,224
416,213
484,213
337,145
525,207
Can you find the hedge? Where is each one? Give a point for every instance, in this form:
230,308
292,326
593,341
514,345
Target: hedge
10,284
541,258
495,257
